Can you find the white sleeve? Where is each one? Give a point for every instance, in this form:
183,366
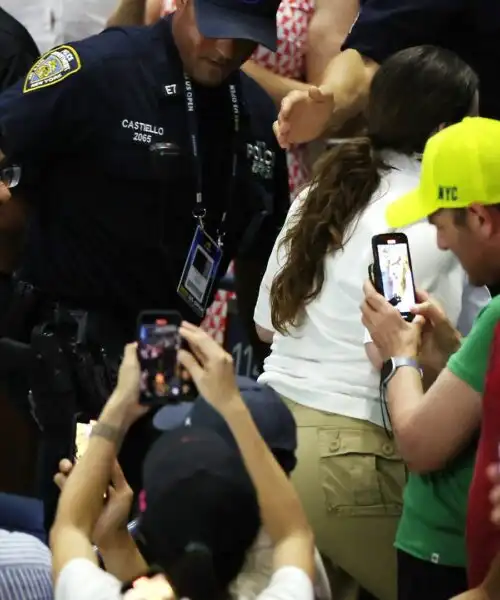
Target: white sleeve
262,312
81,579
288,583
474,299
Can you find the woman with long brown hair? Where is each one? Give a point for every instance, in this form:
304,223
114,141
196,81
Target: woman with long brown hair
349,475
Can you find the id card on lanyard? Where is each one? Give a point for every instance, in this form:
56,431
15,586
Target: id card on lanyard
205,253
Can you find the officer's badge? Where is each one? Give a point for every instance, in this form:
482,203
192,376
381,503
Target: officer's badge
51,68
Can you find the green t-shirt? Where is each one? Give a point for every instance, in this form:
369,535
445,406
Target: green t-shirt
432,526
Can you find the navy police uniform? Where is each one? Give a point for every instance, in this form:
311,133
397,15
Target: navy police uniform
111,221
18,50
470,28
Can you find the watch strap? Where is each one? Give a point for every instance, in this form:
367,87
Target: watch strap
394,363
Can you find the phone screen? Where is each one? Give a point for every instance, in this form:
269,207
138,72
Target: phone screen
396,275
159,342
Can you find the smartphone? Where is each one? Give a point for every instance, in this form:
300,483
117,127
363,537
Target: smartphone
158,344
392,271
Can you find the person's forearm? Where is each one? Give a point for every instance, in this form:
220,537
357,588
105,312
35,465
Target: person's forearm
281,509
121,556
348,77
404,397
275,85
81,500
129,12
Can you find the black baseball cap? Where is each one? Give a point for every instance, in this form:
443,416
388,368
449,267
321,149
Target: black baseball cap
253,20
197,494
271,415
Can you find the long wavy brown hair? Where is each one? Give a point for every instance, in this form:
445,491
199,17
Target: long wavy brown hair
413,94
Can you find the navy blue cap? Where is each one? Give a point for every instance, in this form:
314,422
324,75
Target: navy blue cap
197,492
271,416
253,20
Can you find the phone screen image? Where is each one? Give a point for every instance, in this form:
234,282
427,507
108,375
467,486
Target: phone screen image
396,275
159,343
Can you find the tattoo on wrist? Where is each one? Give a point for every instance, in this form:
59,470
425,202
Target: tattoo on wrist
108,432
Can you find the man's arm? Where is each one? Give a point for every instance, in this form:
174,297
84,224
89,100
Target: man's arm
277,86
153,12
39,114
432,428
328,29
128,12
382,28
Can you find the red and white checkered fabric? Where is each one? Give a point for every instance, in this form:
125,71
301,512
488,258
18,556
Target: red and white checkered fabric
290,61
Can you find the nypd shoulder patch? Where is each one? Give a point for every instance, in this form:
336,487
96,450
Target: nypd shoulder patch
53,67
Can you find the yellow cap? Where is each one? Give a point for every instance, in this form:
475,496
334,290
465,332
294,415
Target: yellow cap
460,167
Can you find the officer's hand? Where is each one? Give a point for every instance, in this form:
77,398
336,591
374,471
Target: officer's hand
210,366
116,507
304,116
125,398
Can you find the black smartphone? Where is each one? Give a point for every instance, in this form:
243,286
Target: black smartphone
392,271
158,344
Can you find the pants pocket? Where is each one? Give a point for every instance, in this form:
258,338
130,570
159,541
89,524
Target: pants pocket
360,472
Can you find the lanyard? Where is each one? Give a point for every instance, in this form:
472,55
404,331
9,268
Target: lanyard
200,211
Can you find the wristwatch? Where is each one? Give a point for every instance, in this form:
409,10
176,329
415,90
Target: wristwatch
390,367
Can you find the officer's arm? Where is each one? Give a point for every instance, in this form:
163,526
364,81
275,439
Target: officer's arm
383,27
154,11
45,112
15,66
329,26
128,12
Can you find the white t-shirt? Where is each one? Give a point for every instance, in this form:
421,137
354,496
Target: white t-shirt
83,580
323,364
259,568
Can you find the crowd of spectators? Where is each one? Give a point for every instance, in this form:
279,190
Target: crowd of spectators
363,464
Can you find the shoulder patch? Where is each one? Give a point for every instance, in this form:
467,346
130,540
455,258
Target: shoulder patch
51,68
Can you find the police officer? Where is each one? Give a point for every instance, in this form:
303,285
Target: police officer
383,27
140,148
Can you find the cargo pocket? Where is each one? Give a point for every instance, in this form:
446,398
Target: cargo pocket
360,472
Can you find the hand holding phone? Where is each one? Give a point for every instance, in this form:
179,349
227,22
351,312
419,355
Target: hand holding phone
162,379
392,271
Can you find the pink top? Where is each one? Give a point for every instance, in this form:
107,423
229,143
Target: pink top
293,20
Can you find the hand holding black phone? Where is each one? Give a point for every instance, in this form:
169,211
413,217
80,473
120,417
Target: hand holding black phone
163,380
392,273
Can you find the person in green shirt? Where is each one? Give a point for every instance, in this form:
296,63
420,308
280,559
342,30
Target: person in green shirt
436,430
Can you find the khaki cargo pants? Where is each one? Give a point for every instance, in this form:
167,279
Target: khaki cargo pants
350,480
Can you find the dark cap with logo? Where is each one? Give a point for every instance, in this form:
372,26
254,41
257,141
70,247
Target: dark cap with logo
197,495
253,20
271,416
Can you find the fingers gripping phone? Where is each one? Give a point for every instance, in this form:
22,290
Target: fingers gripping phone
393,273
162,380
